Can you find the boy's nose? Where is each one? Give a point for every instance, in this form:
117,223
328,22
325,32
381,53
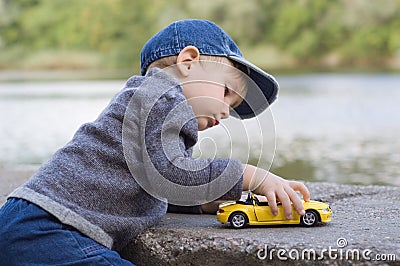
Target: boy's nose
225,112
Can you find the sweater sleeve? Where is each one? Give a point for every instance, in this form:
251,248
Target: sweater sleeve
170,133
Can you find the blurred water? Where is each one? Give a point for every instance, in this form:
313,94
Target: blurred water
340,128
329,127
36,118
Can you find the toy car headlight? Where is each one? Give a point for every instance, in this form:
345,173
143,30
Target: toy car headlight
326,210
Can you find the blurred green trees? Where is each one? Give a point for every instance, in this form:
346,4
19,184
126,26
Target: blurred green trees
273,34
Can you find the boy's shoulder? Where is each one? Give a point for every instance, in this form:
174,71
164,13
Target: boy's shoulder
156,95
156,84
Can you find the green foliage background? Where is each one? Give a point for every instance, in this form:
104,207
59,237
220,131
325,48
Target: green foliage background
282,34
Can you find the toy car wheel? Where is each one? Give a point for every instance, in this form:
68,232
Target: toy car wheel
309,219
238,220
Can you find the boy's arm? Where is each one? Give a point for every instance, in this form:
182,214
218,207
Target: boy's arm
275,188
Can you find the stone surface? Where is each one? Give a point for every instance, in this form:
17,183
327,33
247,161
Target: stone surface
365,225
365,218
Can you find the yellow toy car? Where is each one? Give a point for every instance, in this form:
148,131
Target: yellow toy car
253,212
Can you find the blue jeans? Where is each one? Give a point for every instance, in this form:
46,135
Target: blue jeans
31,236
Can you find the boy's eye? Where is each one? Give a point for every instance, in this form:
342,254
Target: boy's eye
226,91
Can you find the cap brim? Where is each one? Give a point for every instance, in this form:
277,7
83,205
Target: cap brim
257,99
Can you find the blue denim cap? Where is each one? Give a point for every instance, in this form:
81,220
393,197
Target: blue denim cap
210,39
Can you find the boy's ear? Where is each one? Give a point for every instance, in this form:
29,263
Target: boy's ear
186,58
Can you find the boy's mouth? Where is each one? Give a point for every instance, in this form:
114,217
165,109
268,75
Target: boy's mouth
213,122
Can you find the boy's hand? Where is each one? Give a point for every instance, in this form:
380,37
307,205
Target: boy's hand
275,188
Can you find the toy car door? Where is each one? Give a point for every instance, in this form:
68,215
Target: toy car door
264,214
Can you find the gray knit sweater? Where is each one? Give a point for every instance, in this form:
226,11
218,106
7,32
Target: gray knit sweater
88,184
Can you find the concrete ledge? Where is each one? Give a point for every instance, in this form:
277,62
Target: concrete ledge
365,217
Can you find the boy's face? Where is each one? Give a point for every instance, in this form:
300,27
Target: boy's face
212,88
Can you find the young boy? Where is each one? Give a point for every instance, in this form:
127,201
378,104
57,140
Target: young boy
115,177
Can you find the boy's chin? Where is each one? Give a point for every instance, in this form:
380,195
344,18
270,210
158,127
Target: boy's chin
202,124
202,128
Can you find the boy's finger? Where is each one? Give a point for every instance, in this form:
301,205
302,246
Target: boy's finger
296,201
272,203
285,200
298,186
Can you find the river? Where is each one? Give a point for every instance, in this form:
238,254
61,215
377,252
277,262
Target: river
341,128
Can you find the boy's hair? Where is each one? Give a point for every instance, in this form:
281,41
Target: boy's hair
171,60
168,61
163,62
